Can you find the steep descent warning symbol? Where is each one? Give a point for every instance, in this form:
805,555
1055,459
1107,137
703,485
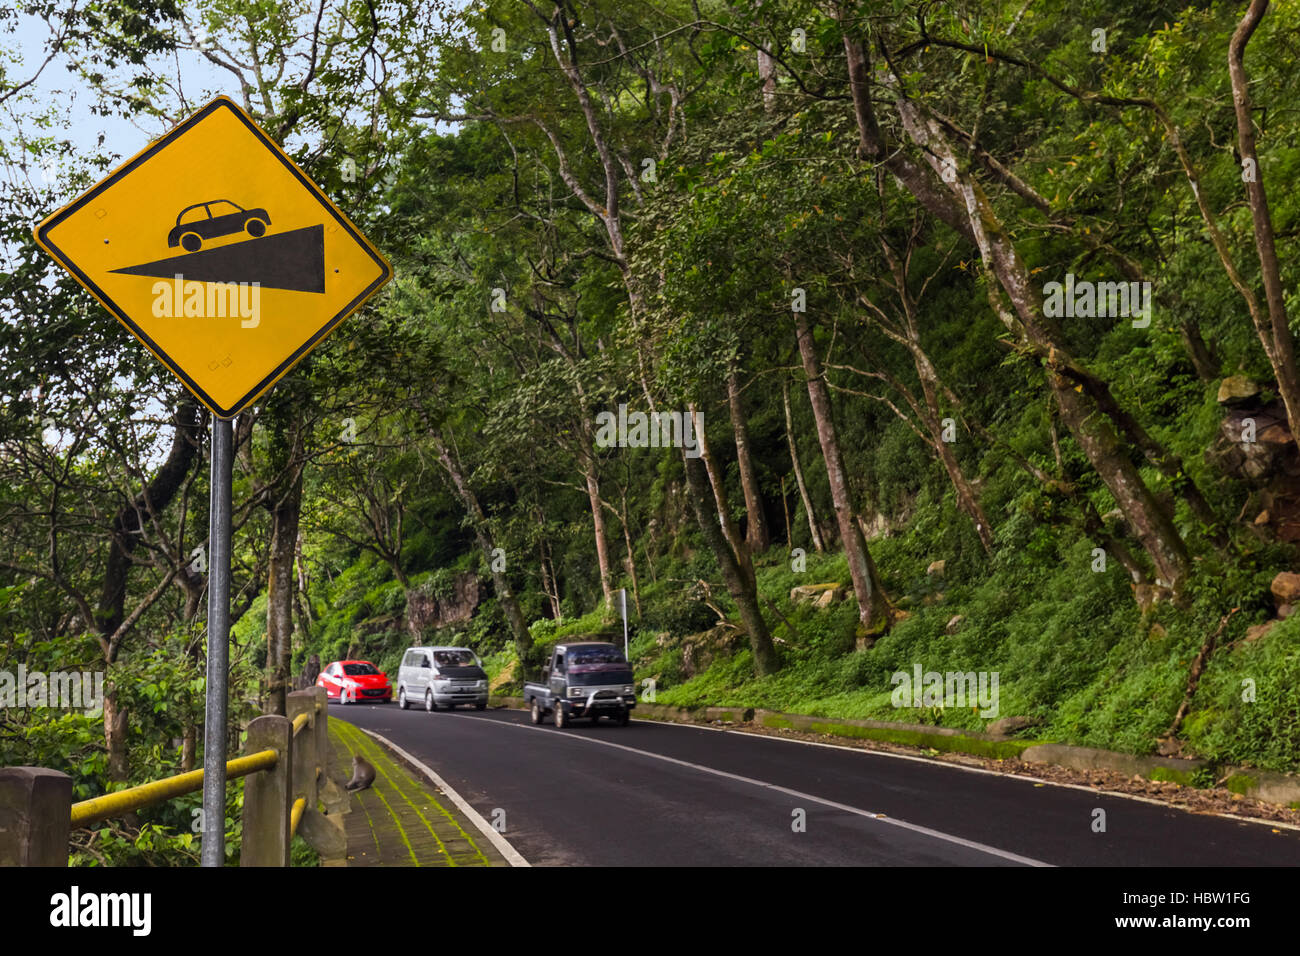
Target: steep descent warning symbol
219,254
292,260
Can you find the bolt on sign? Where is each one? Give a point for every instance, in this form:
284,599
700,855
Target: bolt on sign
219,254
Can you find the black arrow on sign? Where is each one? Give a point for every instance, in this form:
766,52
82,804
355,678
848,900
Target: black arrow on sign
292,260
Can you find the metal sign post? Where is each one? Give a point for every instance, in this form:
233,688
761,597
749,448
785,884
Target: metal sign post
228,293
214,709
624,593
219,254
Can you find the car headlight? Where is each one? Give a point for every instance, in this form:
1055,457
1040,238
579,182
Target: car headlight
629,689
482,683
577,692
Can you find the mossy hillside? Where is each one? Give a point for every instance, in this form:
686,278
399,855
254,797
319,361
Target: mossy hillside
1070,647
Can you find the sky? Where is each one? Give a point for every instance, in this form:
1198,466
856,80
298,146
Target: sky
114,138
60,86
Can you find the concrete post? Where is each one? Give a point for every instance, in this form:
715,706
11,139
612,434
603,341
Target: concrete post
35,816
322,731
268,795
305,758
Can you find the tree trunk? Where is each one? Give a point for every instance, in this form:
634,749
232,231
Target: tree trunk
1203,360
189,747
1276,338
602,542
739,584
958,199
814,528
757,535
785,506
767,73
1147,521
873,608
156,496
115,727
500,581
281,582
967,500
719,485
192,583
550,586
126,533
631,557
1058,487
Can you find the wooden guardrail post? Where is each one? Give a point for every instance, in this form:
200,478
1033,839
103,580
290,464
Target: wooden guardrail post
268,795
322,727
323,832
305,759
35,816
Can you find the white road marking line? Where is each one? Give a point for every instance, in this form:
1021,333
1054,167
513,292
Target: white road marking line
513,856
1004,774
878,817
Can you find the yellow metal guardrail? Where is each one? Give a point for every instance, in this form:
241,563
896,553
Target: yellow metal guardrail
98,809
284,769
159,791
295,814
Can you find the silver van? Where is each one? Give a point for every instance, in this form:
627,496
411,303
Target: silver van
441,677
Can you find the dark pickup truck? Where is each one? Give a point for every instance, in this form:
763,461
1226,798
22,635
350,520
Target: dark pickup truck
585,679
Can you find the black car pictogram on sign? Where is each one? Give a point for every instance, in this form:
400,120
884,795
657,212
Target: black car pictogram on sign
216,217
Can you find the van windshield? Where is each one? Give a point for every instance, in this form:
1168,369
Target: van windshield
596,655
459,658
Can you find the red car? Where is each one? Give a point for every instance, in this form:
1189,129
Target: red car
352,681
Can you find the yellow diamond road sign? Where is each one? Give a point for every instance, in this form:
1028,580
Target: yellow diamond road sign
219,254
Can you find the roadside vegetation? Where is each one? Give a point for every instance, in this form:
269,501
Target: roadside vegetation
827,244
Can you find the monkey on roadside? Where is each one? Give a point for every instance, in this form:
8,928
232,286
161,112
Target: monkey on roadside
363,773
311,671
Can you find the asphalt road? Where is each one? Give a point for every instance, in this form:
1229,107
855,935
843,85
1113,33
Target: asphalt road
654,794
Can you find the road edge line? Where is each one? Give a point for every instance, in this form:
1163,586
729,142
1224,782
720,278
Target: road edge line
985,848
513,856
953,765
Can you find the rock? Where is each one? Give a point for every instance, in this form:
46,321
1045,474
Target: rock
1237,390
1169,747
878,525
1252,444
1286,588
1255,467
1007,726
701,650
1284,611
1275,435
1259,630
954,623
810,593
425,611
829,597
1264,517
936,567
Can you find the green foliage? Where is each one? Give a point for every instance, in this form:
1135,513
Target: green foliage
536,289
